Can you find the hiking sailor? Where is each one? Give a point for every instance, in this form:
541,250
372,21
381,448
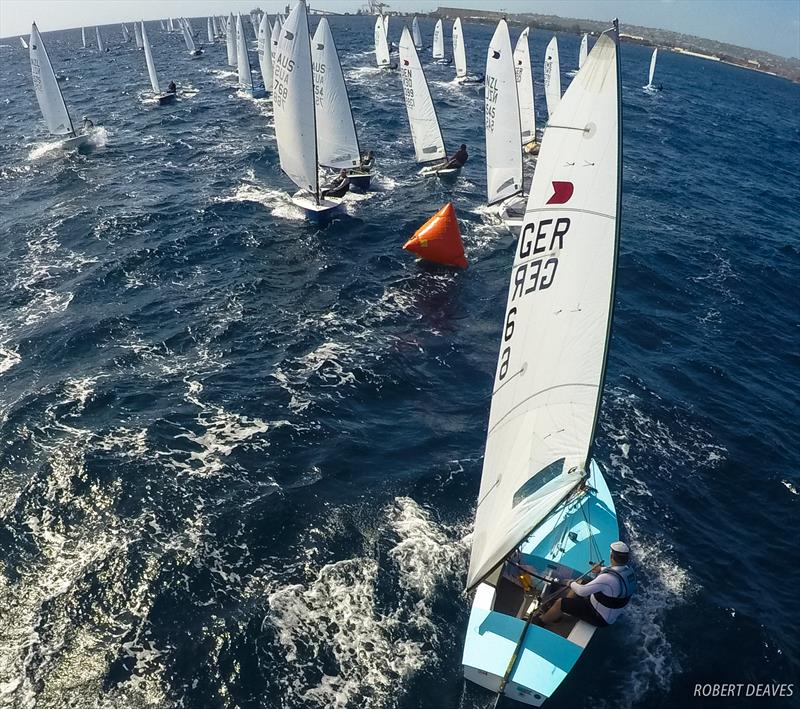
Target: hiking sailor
599,602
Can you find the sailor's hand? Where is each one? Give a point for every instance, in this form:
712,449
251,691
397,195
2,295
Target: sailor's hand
597,568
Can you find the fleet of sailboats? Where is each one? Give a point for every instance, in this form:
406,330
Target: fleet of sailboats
545,515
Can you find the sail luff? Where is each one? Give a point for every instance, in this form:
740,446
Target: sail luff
501,114
337,140
425,130
555,333
48,92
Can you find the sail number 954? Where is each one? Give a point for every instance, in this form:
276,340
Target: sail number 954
531,275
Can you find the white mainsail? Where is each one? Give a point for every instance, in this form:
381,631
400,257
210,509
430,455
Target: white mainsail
125,35
386,26
558,318
265,51
242,57
276,35
151,65
459,53
438,40
522,69
425,130
552,77
48,94
416,35
23,42
100,46
652,67
337,142
501,112
584,50
293,103
137,32
83,36
230,33
381,45
170,25
209,31
187,36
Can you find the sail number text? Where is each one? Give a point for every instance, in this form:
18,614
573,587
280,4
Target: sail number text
280,79
532,274
490,106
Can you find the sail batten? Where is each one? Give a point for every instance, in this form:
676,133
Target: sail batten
48,92
502,120
425,131
557,319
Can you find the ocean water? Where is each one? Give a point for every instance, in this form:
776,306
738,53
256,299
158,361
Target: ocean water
239,456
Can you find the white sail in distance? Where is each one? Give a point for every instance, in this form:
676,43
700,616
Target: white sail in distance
459,52
48,94
23,42
557,323
386,26
276,35
416,35
101,47
584,50
552,77
209,31
265,51
230,41
151,65
501,113
337,142
652,67
438,40
425,130
522,70
293,103
381,44
187,36
137,33
242,57
83,36
125,36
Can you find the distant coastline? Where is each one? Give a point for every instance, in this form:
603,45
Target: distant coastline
712,50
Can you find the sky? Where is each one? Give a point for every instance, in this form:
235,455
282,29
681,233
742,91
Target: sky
769,25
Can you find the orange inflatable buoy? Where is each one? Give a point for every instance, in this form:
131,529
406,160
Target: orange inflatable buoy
439,239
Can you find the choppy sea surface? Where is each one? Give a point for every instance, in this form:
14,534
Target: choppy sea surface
239,456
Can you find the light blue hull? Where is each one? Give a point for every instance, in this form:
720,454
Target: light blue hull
563,546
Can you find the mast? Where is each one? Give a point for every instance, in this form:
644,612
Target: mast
313,103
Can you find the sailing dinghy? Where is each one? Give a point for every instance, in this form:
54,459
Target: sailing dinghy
294,108
162,98
48,94
230,40
265,53
382,45
243,63
101,47
460,57
544,509
438,43
188,38
502,125
425,131
650,87
524,75
552,77
416,35
337,139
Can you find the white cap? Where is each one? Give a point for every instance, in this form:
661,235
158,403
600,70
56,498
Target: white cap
620,548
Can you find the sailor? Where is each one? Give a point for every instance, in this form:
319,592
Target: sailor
458,160
88,124
171,89
599,602
367,161
339,187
